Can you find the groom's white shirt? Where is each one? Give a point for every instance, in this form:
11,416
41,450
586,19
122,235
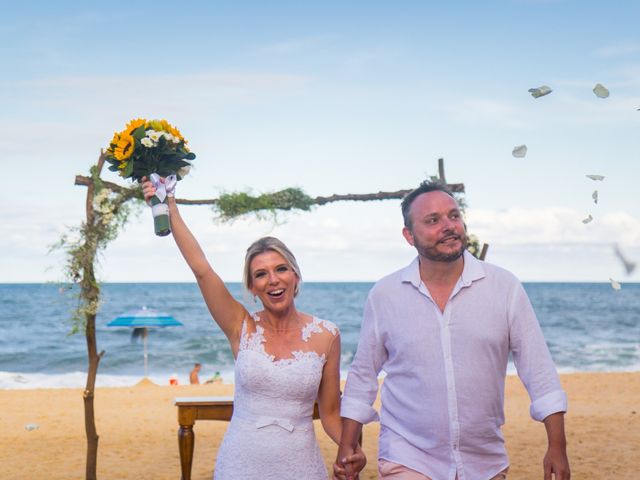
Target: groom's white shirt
443,393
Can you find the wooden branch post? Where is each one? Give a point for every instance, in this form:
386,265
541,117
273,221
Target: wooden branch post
91,293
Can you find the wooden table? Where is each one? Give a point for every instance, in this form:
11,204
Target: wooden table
191,409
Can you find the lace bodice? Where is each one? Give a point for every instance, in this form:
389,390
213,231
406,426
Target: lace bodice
293,381
274,400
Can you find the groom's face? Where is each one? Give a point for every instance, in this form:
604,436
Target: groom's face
437,230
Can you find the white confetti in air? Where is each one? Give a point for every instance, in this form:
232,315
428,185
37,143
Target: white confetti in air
520,151
629,266
588,219
600,91
594,195
31,426
595,177
540,91
615,285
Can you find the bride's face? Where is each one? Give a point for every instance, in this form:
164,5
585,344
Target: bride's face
273,280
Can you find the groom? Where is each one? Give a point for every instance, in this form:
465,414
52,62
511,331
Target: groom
442,329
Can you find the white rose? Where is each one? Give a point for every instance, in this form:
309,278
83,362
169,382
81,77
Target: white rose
153,135
147,142
169,137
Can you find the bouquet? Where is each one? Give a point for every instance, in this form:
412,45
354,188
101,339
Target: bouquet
152,149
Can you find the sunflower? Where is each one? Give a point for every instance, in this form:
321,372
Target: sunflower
123,145
164,126
167,127
155,125
133,124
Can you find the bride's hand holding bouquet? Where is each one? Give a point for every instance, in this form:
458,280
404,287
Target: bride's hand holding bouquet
151,149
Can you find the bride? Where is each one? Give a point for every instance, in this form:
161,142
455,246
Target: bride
285,360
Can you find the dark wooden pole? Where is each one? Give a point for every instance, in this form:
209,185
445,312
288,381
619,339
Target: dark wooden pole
90,292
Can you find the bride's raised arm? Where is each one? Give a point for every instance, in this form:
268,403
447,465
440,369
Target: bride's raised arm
225,310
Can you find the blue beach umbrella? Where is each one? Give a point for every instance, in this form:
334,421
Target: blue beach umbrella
140,321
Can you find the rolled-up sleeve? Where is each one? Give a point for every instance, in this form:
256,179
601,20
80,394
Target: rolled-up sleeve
361,388
532,359
552,402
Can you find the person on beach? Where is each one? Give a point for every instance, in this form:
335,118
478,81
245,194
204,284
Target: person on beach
194,379
442,329
217,378
285,360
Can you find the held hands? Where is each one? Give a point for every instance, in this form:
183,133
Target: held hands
349,466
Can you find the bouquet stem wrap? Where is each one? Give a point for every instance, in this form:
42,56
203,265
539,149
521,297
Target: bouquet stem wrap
159,206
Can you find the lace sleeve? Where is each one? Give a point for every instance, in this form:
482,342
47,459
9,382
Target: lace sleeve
318,326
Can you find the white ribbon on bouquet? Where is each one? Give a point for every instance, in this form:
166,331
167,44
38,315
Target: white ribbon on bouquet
163,190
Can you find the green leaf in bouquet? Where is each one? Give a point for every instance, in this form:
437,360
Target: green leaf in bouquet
164,163
190,156
181,163
113,168
141,169
126,173
139,133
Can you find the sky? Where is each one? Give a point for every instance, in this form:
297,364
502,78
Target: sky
331,97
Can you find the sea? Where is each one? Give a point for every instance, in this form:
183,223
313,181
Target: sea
589,327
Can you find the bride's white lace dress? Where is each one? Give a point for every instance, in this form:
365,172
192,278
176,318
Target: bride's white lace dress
271,434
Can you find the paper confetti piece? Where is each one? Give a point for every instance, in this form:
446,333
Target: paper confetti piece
615,285
595,177
600,91
594,195
588,219
520,151
540,91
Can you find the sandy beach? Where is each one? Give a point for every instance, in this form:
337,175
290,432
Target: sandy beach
138,425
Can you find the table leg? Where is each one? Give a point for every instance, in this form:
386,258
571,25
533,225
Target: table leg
186,441
186,438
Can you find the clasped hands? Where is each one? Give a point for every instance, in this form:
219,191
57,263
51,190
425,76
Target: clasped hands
348,465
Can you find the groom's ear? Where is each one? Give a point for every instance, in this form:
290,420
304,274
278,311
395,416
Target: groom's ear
408,236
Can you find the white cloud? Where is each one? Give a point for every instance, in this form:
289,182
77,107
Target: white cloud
338,242
618,49
553,226
108,98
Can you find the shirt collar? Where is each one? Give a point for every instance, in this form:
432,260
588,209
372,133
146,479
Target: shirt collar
473,270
